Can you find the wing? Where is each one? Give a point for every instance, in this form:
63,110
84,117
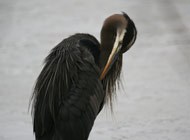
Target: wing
68,94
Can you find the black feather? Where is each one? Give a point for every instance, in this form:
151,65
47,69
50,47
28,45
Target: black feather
65,91
130,35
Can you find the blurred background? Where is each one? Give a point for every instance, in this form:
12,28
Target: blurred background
155,99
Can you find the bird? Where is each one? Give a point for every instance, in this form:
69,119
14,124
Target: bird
78,78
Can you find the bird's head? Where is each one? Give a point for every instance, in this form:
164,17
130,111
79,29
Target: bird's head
118,34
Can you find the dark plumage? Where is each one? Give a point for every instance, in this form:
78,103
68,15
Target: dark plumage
78,77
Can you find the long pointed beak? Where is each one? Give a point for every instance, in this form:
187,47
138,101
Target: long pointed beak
115,52
113,56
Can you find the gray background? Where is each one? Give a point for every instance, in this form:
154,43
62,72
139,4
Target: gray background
154,103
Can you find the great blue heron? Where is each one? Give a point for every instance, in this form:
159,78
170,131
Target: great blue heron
79,76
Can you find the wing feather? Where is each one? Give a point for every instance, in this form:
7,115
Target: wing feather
68,94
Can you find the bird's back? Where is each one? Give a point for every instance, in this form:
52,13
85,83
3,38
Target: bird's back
68,94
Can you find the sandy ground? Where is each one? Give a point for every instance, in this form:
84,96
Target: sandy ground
154,104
